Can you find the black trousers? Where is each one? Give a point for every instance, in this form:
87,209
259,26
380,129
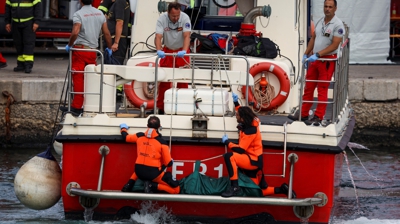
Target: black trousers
24,41
120,54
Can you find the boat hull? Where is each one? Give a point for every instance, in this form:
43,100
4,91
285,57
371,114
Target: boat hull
315,171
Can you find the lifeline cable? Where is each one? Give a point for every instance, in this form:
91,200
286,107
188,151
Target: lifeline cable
222,96
59,104
172,102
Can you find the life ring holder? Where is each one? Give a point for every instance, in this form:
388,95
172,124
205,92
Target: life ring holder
133,97
283,81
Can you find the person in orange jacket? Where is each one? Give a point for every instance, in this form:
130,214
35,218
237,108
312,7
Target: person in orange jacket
153,156
247,155
3,61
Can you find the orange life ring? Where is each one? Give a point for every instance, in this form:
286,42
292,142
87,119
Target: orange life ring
283,80
133,97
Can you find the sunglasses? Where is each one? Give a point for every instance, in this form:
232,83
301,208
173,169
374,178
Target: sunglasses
179,28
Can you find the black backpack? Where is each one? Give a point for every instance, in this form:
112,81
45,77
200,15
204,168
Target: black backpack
257,47
207,45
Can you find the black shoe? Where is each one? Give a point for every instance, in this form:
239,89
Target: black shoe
28,69
147,187
160,111
19,68
74,111
128,186
3,64
285,190
295,117
232,191
315,121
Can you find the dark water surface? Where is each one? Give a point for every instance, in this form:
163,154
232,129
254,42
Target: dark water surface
377,178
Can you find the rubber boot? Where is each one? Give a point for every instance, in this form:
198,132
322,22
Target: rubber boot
234,190
28,67
150,187
128,186
20,66
284,189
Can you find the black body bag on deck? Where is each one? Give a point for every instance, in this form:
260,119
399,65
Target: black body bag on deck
257,47
207,45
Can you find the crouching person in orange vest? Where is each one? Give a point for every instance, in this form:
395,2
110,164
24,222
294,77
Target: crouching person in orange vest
153,157
247,154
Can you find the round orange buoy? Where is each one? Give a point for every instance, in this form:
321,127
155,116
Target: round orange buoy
133,97
283,81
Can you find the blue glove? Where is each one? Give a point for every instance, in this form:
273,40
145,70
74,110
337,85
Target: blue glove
181,54
109,51
67,47
312,58
161,53
224,138
235,97
304,59
123,125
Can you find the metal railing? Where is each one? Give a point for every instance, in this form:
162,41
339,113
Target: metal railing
212,56
340,80
70,92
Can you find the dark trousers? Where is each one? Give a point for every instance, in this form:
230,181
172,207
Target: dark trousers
24,41
120,54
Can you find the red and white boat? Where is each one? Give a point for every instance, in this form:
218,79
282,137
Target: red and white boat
96,163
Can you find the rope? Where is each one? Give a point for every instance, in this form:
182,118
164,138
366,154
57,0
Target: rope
198,13
264,99
203,160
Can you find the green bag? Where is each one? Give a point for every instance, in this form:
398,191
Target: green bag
199,184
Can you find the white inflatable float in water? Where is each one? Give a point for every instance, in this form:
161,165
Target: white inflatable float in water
58,146
37,184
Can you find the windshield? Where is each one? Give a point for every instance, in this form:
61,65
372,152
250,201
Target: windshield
214,7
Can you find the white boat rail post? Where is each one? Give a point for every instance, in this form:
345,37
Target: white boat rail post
336,89
103,150
192,67
155,109
69,94
284,148
100,93
293,158
341,75
302,83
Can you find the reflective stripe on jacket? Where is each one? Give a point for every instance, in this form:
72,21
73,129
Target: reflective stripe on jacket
23,10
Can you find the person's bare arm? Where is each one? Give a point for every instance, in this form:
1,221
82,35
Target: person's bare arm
157,41
107,35
310,45
332,47
186,41
74,34
118,32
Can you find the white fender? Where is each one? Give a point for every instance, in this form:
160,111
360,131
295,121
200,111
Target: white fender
37,184
58,146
